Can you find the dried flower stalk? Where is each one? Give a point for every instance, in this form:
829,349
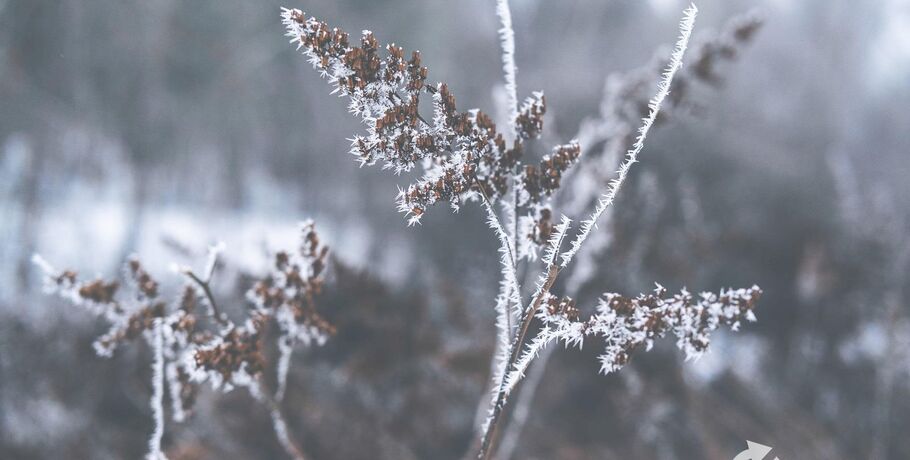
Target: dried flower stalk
463,157
192,345
462,154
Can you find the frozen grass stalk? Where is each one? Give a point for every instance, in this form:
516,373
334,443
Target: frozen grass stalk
193,342
663,89
157,402
461,157
507,40
466,159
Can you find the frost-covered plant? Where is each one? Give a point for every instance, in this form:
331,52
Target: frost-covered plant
624,102
194,342
464,157
625,323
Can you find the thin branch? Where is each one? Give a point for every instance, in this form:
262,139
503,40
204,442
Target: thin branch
279,425
285,352
207,290
157,400
212,260
507,249
548,278
506,303
510,210
522,406
399,100
685,31
509,295
514,214
489,431
507,40
532,351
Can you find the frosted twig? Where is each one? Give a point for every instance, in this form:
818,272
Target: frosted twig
279,424
522,406
490,425
463,157
44,265
204,284
174,386
510,291
663,89
611,128
285,352
511,218
506,251
212,260
187,351
517,361
507,40
517,372
555,242
157,401
510,207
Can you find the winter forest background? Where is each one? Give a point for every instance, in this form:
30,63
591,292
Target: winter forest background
158,128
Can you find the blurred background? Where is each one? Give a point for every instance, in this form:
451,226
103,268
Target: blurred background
158,128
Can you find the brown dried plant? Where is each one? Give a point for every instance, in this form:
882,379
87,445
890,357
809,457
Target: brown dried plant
462,154
195,343
464,157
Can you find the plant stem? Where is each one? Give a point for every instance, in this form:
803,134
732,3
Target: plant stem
514,425
487,445
157,393
280,426
207,290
